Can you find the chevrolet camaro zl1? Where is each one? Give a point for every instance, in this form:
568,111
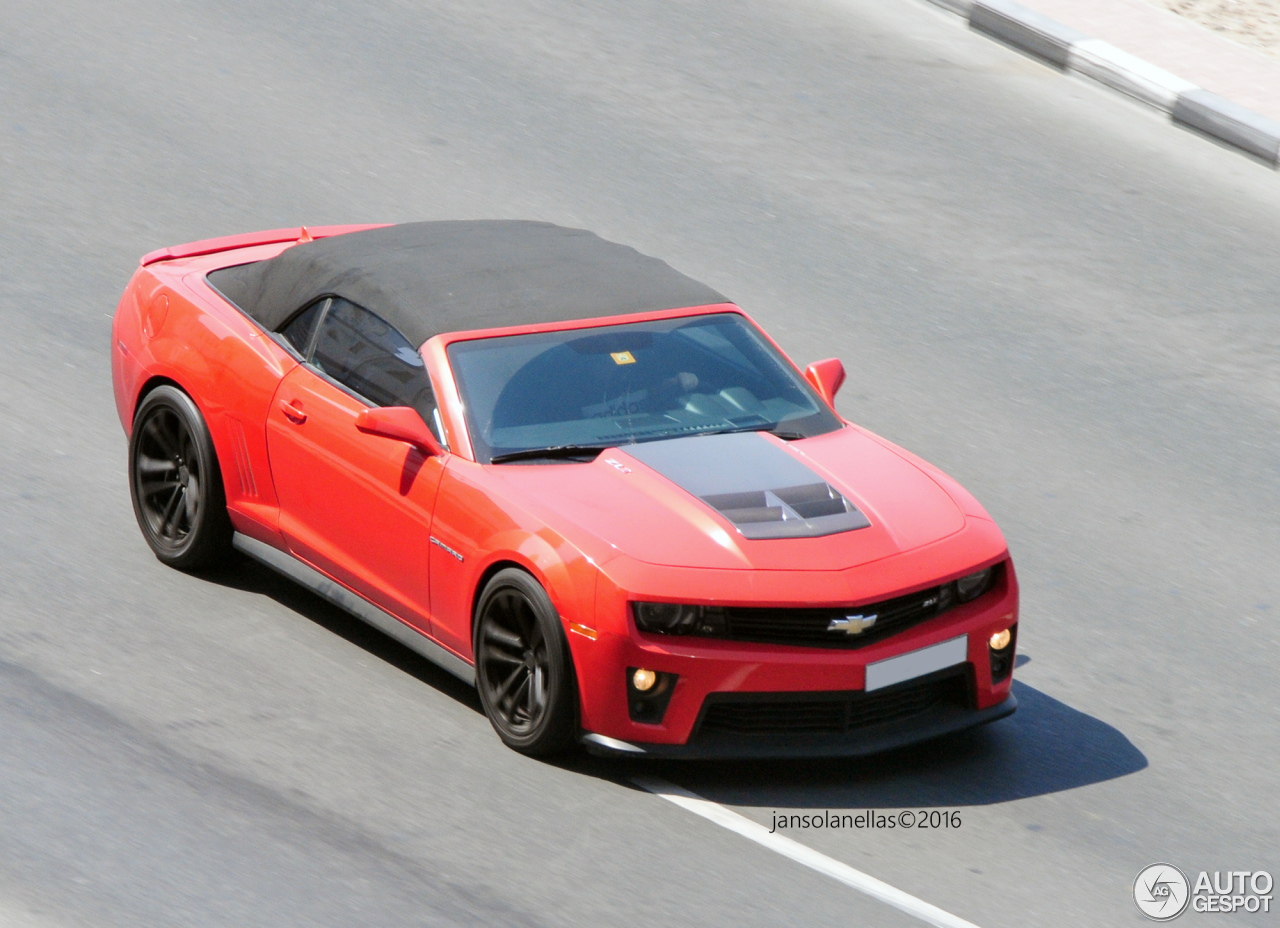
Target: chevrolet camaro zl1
568,474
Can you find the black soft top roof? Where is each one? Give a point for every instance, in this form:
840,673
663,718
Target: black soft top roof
431,277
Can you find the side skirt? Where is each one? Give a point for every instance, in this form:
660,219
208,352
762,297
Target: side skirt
361,608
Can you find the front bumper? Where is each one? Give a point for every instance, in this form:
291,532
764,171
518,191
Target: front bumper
712,671
942,720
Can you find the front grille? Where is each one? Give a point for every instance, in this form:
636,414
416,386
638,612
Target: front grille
826,713
812,628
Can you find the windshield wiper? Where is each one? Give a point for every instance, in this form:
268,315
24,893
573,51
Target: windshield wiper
552,453
555,452
772,430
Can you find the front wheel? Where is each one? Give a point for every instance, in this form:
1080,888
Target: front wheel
175,482
524,672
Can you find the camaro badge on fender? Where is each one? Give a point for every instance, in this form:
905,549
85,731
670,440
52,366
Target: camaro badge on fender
440,544
852,624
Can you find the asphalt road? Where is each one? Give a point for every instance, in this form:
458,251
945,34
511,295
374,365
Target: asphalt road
1055,295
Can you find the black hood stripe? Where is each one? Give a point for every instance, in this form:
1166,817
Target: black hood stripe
759,487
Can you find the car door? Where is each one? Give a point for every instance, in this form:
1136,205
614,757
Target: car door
355,505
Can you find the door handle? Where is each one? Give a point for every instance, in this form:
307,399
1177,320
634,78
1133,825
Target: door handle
292,412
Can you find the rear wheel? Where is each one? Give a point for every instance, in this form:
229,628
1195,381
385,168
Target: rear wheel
175,482
524,672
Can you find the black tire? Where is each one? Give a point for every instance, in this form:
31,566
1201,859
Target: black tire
523,668
175,482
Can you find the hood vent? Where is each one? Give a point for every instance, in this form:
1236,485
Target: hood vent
761,488
789,512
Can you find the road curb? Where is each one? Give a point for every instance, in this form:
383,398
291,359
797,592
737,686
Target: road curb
1070,49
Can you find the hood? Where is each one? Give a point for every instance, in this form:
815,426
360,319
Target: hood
744,501
755,484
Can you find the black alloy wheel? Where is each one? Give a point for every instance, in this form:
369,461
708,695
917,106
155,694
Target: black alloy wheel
175,482
523,669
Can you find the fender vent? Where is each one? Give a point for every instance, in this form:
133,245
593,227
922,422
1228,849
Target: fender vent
244,465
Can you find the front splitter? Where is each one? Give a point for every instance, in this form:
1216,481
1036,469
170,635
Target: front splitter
860,743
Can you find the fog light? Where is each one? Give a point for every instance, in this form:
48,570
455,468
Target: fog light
1001,653
648,693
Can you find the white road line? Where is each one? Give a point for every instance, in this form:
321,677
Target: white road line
713,811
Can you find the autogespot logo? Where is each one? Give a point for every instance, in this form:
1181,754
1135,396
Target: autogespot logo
1161,892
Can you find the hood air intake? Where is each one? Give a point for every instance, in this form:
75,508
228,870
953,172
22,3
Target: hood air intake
789,512
764,491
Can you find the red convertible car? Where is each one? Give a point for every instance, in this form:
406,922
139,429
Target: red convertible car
568,474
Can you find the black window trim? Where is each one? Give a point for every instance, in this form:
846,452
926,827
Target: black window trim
315,332
436,427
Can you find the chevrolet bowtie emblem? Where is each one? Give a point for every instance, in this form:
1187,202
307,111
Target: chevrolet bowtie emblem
852,624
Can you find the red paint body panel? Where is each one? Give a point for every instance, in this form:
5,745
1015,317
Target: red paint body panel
355,505
417,534
645,516
225,363
488,529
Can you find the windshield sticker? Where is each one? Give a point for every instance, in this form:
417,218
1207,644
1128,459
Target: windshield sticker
622,357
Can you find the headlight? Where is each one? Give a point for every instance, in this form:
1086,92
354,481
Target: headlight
666,618
971,587
678,619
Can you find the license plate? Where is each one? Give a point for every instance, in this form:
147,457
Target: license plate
917,663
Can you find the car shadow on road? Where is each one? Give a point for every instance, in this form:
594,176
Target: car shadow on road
1046,747
242,573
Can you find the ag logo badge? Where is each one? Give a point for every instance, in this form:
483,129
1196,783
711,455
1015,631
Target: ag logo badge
1161,892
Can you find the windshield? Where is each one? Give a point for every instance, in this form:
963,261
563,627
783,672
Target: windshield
617,384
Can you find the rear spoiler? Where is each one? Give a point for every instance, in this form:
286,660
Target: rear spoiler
210,246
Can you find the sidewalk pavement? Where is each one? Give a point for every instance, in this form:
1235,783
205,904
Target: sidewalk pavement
1205,81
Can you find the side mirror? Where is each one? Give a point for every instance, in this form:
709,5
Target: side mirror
826,377
401,423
